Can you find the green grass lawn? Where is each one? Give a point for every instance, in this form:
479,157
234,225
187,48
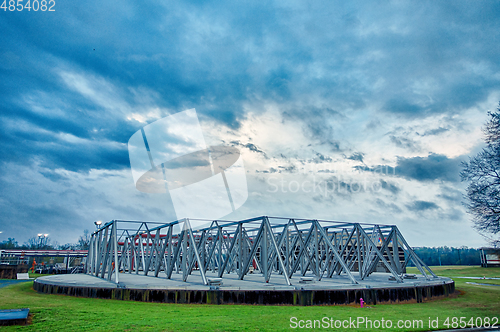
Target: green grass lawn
37,275
63,313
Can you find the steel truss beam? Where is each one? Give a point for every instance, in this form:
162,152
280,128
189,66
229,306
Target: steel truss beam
266,245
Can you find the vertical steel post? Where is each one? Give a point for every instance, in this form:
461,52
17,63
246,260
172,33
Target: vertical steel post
316,251
263,254
115,241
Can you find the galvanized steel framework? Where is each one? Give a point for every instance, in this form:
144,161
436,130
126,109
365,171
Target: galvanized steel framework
267,245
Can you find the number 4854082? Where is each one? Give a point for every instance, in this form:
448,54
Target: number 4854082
35,5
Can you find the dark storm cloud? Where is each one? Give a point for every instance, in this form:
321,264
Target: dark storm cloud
435,131
215,56
451,194
419,206
356,156
403,142
280,169
52,175
402,106
26,213
440,47
430,168
63,142
320,158
387,206
317,124
250,146
433,167
271,170
391,187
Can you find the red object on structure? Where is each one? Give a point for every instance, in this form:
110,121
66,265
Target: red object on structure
33,267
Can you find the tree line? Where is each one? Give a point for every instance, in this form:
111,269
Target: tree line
433,256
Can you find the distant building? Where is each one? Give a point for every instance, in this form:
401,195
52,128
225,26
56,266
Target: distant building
490,257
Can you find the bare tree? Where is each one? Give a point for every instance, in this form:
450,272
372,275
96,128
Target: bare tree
33,243
84,240
69,246
483,174
39,243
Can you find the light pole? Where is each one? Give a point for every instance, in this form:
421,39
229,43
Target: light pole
41,237
98,224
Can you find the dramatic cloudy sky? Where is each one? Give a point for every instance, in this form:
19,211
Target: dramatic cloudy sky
342,110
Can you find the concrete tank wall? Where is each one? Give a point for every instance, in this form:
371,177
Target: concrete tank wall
416,294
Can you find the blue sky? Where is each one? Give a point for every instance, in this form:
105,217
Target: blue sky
375,103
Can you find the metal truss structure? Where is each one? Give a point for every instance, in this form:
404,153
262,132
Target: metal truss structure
283,247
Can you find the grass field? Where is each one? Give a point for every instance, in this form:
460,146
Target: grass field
64,313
